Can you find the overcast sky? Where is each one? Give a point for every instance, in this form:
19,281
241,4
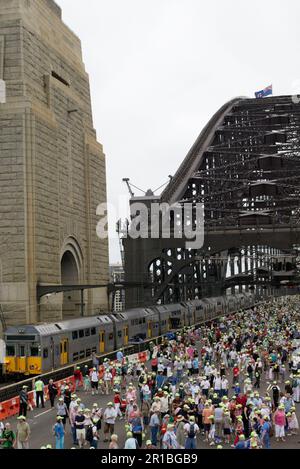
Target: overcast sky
159,69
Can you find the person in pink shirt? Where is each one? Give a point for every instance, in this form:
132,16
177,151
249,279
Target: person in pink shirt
279,421
131,394
190,352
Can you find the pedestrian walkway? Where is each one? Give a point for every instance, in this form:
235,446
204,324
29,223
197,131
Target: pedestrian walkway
232,384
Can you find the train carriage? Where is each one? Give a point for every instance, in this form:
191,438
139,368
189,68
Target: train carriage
32,350
197,310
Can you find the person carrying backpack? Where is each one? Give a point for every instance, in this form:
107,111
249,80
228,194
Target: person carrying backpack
191,429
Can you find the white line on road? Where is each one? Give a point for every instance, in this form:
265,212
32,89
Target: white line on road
43,413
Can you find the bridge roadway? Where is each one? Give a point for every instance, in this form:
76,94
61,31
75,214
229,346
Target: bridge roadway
41,422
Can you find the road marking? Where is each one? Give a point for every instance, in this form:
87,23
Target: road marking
43,413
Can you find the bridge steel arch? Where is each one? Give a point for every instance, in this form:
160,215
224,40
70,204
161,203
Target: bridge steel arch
244,169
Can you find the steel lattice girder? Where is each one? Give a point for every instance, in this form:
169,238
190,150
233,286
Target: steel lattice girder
245,170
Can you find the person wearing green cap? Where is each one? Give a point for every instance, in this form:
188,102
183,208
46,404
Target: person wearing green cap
23,433
130,443
265,432
242,443
279,421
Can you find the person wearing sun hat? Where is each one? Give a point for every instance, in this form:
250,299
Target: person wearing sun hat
23,401
242,443
169,440
149,445
109,418
279,419
23,433
180,433
62,410
80,428
59,433
293,422
212,431
191,430
131,442
265,432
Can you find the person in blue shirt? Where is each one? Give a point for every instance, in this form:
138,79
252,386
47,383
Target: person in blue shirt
237,389
265,432
242,443
160,379
120,356
195,364
59,433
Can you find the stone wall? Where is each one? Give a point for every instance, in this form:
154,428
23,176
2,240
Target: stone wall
52,169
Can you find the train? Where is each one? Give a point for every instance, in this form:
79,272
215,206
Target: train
37,349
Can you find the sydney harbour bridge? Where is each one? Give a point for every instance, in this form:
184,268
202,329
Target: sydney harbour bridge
244,170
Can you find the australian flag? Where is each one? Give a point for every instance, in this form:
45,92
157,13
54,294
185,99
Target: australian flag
266,92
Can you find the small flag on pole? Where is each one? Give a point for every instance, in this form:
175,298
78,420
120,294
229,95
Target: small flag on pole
2,92
265,92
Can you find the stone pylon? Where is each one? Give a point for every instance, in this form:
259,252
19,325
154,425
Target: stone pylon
52,169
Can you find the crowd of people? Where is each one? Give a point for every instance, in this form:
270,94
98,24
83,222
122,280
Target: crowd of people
232,383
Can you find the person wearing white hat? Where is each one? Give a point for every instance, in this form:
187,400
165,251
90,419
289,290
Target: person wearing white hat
62,410
107,378
80,428
23,433
59,433
109,418
23,401
95,381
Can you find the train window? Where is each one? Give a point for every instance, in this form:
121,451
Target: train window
88,352
45,353
87,332
119,333
65,347
81,334
34,351
75,356
94,350
82,354
111,336
22,351
132,322
93,331
57,350
29,338
75,335
10,351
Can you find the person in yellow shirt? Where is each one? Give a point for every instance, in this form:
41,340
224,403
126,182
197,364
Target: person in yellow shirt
39,390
